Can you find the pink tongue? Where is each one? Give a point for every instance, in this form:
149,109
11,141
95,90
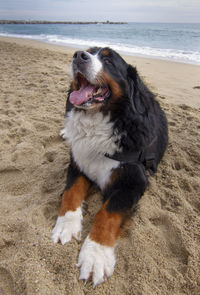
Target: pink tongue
81,95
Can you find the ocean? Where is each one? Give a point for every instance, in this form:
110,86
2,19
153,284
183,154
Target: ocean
176,42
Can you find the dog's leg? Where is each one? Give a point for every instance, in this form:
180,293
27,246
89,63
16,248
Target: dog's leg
97,253
68,223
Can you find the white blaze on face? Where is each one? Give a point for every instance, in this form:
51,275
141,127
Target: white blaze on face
93,68
96,67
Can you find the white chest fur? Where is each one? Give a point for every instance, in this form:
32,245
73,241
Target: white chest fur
91,136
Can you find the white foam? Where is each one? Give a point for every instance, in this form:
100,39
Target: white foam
145,51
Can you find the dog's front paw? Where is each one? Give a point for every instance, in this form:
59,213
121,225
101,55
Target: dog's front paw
68,226
96,260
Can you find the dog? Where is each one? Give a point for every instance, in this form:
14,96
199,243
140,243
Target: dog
118,134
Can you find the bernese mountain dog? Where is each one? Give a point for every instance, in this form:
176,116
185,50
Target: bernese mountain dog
118,135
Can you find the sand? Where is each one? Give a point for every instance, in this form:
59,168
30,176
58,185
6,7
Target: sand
160,252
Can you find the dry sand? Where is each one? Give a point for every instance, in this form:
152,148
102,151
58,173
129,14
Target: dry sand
160,252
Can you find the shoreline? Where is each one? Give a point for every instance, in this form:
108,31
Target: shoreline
84,44
167,79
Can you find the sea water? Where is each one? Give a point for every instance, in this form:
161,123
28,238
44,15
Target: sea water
177,42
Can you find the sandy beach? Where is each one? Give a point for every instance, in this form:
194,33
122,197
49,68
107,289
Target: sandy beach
159,254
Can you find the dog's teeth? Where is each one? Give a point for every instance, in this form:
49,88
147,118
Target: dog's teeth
99,90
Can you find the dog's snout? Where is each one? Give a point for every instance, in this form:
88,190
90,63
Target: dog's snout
80,57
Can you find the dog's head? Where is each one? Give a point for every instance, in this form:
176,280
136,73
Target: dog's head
100,77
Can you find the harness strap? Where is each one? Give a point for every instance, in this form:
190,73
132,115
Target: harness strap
146,157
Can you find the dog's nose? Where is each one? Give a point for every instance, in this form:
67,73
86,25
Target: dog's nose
81,57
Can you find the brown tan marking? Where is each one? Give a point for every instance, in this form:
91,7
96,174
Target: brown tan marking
74,86
113,178
114,86
105,52
73,197
106,227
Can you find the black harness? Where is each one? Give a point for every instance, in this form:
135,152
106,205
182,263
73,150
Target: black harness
146,157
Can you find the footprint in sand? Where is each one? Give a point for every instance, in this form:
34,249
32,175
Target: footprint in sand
172,123
6,283
173,241
50,156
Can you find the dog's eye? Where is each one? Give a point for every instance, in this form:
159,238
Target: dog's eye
107,61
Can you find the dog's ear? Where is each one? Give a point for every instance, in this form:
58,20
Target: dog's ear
135,93
132,73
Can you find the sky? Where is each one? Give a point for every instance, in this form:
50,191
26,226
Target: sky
102,10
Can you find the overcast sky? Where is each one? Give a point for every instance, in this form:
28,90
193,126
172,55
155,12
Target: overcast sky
102,10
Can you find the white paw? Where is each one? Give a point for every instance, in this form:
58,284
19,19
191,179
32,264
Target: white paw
97,260
68,226
63,133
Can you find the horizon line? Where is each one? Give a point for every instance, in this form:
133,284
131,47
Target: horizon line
95,21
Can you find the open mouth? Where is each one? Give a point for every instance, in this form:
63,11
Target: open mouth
87,93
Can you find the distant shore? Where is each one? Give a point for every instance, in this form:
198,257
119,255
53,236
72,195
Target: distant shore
36,22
